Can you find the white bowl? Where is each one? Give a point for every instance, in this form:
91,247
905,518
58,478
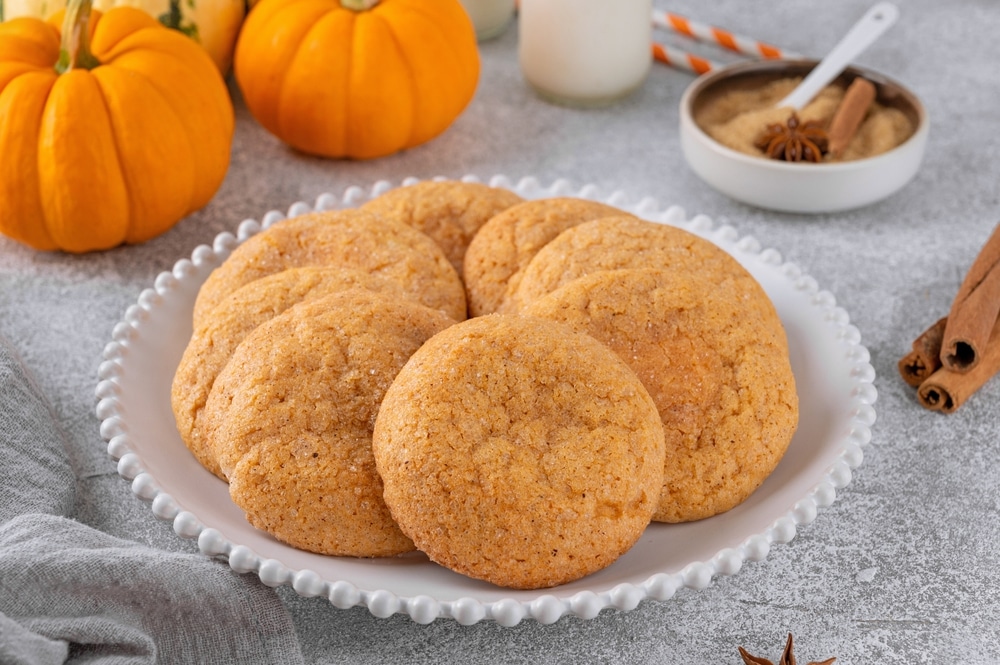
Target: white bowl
796,186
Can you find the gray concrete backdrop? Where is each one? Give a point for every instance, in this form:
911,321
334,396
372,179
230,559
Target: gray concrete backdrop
902,568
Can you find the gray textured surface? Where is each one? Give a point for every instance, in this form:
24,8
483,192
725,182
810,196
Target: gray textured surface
901,568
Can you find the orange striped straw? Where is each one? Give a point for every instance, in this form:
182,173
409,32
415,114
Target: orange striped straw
679,59
724,38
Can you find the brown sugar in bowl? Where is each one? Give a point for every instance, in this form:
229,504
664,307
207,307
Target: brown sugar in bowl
799,187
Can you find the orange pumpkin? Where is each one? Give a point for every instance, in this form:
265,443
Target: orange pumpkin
356,78
212,23
110,132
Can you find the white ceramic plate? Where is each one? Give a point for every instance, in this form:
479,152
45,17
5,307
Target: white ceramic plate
832,372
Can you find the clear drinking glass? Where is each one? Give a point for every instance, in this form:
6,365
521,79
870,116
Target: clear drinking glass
585,52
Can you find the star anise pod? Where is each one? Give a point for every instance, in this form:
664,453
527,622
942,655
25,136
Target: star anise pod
787,657
794,141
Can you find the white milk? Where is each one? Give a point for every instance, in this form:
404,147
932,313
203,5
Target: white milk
491,17
585,52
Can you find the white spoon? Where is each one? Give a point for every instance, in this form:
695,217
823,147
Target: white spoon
869,27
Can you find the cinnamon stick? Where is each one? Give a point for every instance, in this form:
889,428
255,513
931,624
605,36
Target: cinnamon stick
974,311
946,390
925,357
849,114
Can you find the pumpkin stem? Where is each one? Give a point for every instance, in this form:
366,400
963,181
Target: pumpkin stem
74,52
358,5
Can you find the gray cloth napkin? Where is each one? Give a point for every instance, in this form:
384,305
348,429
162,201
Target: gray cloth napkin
72,594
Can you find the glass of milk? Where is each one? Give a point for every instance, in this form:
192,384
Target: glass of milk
490,17
585,52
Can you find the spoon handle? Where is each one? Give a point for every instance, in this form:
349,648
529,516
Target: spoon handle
869,27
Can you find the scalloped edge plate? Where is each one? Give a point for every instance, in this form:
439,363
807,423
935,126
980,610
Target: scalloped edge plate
833,375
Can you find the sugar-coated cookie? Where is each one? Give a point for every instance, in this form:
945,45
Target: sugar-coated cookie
236,316
347,239
712,353
507,242
449,211
290,419
619,242
517,451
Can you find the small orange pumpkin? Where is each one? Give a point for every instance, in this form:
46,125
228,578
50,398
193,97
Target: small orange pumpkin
110,132
356,78
212,23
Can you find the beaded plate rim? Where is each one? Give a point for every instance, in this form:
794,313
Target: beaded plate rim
544,606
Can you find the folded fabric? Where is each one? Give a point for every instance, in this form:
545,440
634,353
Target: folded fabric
20,645
72,593
107,598
35,475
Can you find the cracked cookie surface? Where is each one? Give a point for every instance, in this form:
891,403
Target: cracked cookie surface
620,242
713,355
451,212
212,344
517,451
290,419
345,238
506,243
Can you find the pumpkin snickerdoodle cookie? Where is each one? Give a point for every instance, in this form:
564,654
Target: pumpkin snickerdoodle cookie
290,419
621,242
213,343
507,242
713,355
344,238
517,451
449,211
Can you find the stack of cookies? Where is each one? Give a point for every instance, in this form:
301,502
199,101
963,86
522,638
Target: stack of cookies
515,388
